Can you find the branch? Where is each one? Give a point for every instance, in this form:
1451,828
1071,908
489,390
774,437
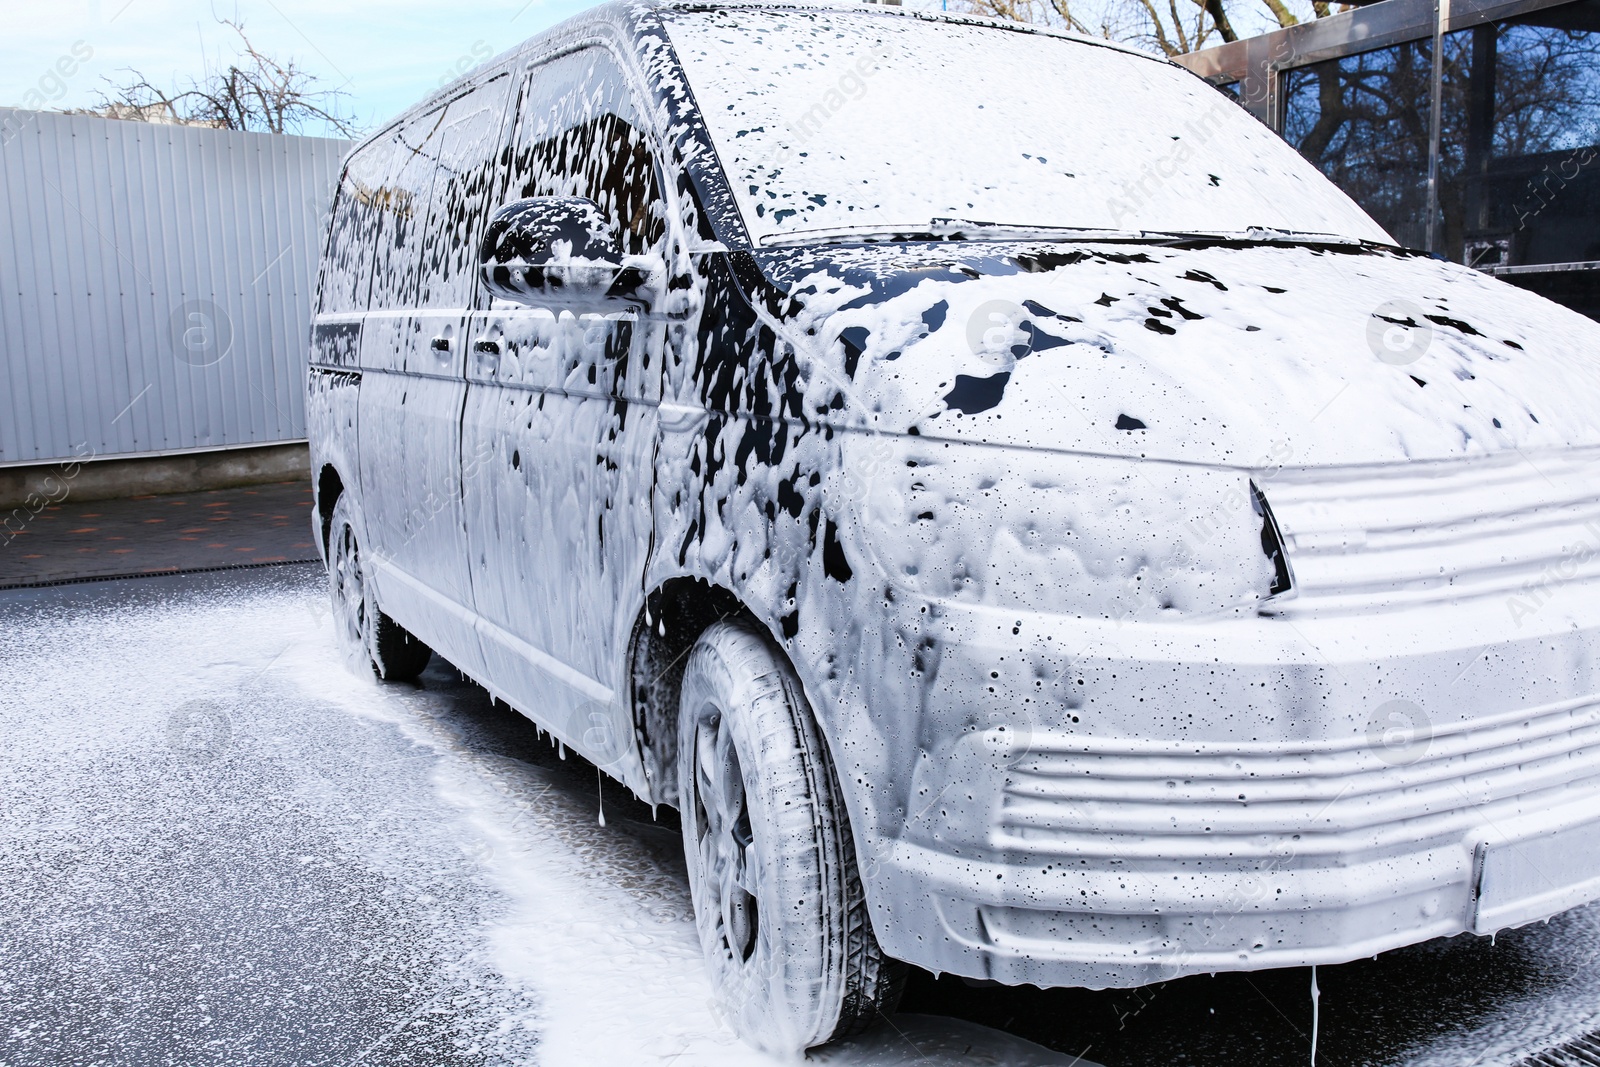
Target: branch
1160,29
1280,12
1220,18
256,92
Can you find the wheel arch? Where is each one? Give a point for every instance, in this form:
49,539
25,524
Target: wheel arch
672,619
330,486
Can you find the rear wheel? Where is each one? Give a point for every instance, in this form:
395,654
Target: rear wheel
777,896
363,630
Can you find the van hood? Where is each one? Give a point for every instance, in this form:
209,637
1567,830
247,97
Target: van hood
1217,352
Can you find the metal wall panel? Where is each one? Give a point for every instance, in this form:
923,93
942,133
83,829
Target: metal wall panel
155,284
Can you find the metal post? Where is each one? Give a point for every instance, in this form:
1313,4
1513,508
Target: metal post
1441,14
1256,86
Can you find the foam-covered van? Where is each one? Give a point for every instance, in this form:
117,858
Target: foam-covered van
1026,520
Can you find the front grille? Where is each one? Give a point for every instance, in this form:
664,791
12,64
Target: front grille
1579,1052
1165,800
1433,531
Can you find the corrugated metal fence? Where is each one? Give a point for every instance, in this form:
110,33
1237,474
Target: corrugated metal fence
155,284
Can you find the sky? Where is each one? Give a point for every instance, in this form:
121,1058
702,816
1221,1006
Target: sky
386,54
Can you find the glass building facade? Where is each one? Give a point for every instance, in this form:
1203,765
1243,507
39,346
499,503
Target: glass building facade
1508,181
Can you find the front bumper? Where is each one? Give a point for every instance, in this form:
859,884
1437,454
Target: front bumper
1136,803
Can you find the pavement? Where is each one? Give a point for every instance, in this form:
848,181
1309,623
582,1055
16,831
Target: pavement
251,526
220,845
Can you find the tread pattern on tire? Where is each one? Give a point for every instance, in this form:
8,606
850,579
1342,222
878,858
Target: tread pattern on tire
397,656
857,982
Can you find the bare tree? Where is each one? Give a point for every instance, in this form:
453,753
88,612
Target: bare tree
1169,26
255,92
1137,21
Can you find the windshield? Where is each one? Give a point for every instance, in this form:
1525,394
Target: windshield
872,123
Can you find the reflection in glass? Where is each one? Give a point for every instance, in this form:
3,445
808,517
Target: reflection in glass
1521,102
1363,120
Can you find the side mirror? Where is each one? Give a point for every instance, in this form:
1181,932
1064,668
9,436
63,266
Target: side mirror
559,248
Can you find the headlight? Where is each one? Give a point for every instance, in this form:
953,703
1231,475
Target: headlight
1087,536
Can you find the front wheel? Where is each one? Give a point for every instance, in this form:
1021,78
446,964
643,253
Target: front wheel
365,633
772,869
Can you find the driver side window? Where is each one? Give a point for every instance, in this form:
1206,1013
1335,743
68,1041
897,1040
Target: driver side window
577,134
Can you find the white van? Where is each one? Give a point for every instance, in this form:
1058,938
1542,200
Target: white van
1028,521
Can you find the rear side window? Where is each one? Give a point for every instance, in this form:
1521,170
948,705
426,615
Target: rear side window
403,209
353,229
578,134
465,189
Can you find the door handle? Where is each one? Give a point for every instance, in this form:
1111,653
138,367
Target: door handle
440,344
487,346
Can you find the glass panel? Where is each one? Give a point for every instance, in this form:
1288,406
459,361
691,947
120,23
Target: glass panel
466,180
850,121
1519,140
576,136
1518,184
1363,121
353,231
402,203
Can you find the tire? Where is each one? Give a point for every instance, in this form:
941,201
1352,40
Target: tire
363,630
772,868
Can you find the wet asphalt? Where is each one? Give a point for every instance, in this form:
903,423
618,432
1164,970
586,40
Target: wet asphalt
204,861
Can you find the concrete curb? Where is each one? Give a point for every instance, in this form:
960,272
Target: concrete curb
187,472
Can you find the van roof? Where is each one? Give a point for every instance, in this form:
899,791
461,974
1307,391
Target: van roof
618,12
866,7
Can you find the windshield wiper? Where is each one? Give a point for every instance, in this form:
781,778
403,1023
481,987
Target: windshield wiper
976,230
1252,234
944,230
1273,235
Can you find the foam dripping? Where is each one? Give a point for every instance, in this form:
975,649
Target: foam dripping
1316,1013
